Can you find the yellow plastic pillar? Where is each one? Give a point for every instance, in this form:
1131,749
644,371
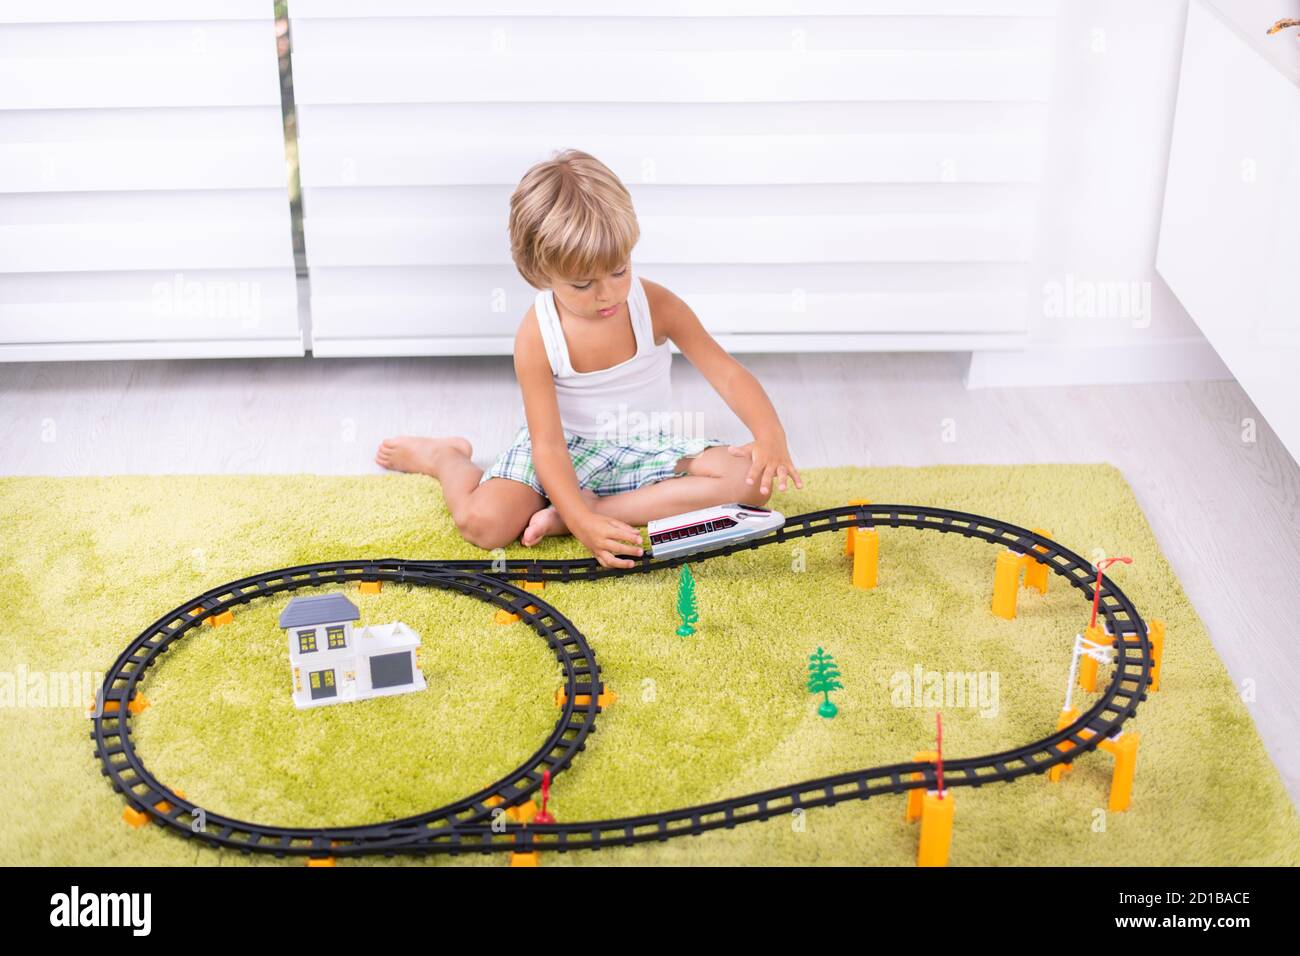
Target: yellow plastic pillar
1006,581
1124,748
1088,665
866,556
936,829
913,812
1067,717
1035,570
371,587
848,535
1156,634
532,858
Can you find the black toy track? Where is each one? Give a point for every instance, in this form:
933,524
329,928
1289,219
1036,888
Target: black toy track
467,825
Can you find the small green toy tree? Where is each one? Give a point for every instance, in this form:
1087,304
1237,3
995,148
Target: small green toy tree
686,601
822,674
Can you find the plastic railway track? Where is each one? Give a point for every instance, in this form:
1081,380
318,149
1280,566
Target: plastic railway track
467,825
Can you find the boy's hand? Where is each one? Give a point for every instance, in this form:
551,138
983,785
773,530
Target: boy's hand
769,458
607,538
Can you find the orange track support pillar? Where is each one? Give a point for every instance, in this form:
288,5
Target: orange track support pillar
1006,582
135,705
225,617
848,535
913,812
164,806
1067,717
522,813
1035,570
1124,748
509,617
603,699
314,861
1088,665
1156,635
134,817
936,829
371,587
866,556
533,586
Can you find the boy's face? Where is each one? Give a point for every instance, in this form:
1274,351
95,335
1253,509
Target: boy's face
594,297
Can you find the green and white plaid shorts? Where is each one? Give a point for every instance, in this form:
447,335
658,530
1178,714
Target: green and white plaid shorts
605,467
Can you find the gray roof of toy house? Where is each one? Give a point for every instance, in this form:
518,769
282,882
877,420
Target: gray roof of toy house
318,609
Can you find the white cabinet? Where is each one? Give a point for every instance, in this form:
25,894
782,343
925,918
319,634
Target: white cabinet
1230,232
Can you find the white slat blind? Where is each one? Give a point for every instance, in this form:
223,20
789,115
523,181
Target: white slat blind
143,203
812,175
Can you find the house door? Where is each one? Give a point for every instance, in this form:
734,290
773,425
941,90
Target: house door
322,684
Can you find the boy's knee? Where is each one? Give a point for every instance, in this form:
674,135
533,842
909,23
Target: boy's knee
753,494
484,529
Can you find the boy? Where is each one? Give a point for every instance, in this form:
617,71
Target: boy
589,461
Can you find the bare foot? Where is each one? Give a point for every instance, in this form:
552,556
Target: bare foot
420,455
547,522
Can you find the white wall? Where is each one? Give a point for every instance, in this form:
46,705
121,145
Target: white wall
1115,84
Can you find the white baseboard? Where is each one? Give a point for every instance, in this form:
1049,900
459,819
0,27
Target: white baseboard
1189,359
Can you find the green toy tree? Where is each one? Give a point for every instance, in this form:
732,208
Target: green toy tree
686,601
822,674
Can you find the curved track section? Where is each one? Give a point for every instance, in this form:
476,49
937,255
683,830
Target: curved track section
467,825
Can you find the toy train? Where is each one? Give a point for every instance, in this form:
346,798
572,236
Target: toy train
710,528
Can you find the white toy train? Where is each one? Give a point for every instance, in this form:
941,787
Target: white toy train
710,528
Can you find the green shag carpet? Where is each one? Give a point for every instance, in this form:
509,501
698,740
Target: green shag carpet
87,564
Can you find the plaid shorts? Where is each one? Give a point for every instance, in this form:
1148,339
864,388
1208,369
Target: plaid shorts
605,467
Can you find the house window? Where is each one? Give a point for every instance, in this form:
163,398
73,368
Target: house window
334,634
306,641
322,684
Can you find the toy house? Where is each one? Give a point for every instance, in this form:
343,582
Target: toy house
334,662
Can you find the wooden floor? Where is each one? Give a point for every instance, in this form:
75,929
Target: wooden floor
1225,510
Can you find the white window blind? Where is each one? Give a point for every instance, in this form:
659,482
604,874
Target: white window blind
816,175
143,201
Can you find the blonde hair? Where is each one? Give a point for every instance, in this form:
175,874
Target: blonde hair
570,217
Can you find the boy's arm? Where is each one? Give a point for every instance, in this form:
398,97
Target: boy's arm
603,536
735,383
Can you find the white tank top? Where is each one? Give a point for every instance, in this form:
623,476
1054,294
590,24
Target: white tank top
623,401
